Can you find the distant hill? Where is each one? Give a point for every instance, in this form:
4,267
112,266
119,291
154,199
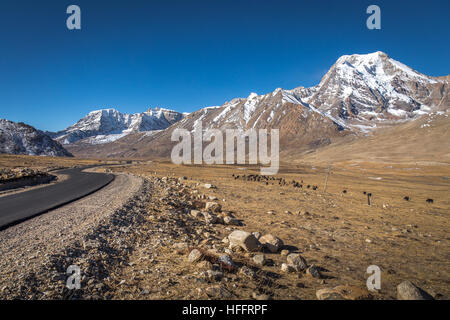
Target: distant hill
20,138
108,125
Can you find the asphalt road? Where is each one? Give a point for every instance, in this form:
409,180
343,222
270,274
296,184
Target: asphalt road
21,206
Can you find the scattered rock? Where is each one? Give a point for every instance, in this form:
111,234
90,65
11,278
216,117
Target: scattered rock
298,261
284,252
212,275
245,240
231,221
257,296
210,186
204,265
344,293
218,292
409,291
194,256
213,207
210,218
287,267
227,261
196,214
314,272
247,272
181,246
257,235
272,243
260,259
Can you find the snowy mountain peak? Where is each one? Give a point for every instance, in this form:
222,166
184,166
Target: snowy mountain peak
378,64
107,125
252,95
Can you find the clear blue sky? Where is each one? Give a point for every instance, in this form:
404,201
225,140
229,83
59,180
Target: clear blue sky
189,54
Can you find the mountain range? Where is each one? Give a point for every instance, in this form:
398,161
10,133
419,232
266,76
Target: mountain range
358,96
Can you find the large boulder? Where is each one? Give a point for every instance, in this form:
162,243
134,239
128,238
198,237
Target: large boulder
245,240
272,243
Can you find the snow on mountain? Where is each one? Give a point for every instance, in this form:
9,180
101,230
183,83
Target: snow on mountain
371,89
108,125
20,138
359,94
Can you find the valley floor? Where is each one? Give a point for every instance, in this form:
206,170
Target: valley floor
333,230
141,251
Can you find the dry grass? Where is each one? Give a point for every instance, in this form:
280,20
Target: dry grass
342,233
408,240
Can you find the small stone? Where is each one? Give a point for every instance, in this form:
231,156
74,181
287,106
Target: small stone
213,207
231,221
218,292
210,218
181,246
298,261
314,272
257,235
194,256
287,268
272,243
260,259
212,275
344,292
247,272
284,252
227,261
206,265
245,240
409,291
261,297
196,214
210,186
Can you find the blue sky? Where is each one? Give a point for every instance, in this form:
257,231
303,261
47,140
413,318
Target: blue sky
189,54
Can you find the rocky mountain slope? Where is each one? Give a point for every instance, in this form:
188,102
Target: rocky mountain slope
108,125
359,94
19,138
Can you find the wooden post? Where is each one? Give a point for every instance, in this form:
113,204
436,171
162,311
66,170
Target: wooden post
326,179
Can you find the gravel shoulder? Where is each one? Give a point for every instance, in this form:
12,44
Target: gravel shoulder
28,247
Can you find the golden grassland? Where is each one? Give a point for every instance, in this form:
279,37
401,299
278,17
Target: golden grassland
337,231
408,240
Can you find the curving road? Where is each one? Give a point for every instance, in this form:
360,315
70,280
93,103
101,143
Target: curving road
25,205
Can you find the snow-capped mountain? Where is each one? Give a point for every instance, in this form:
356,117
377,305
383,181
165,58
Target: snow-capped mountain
359,94
107,125
20,138
364,91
